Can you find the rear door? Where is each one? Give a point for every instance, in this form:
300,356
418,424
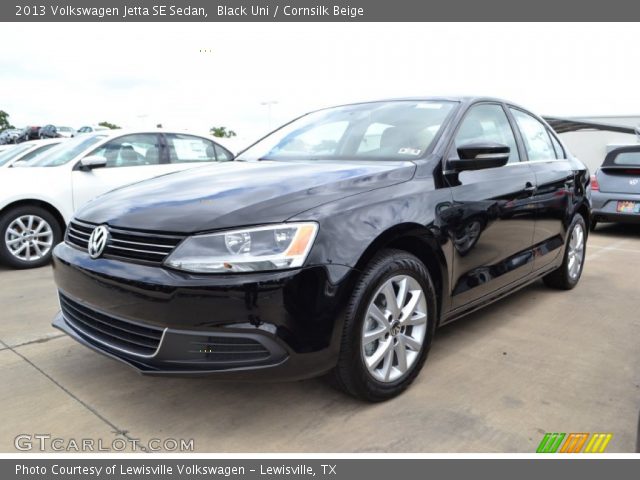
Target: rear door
555,181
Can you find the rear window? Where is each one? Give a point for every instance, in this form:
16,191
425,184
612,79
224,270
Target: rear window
627,158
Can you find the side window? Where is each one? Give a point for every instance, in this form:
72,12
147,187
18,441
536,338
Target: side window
222,154
189,148
557,146
131,150
535,135
488,123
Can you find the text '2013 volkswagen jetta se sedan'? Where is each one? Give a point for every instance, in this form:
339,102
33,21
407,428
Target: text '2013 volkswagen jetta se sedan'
337,244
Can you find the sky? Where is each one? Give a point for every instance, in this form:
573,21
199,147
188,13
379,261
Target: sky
251,77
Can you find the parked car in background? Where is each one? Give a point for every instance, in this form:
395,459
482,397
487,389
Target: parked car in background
53,131
36,202
91,128
26,151
615,187
10,136
29,133
337,244
66,132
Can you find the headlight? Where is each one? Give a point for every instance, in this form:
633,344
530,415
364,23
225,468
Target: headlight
248,250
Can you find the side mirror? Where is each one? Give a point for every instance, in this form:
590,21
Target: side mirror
478,156
92,161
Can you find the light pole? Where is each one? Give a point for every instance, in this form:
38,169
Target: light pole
269,103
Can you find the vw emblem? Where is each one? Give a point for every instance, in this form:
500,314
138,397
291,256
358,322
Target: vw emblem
97,241
634,181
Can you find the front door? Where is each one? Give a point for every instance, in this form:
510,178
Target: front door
491,221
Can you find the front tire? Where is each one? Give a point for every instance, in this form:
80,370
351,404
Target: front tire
27,237
568,274
388,328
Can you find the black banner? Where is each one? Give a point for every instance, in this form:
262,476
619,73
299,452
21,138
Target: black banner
334,469
313,11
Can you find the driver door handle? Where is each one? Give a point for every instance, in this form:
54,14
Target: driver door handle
529,187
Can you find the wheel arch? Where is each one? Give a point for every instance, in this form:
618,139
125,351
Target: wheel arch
419,241
584,210
38,203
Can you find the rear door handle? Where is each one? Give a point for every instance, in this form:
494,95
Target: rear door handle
529,188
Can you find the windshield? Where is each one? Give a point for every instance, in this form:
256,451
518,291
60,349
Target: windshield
397,130
13,152
66,151
37,152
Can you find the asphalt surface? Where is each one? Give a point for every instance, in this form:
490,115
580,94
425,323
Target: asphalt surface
539,361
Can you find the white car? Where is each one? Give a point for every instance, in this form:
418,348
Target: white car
66,132
90,129
36,202
26,151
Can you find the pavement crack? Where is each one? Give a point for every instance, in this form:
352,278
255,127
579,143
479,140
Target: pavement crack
43,339
114,428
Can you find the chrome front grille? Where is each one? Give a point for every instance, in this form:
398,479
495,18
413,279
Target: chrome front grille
129,244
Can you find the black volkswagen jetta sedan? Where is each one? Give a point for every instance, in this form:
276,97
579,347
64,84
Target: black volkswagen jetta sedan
336,244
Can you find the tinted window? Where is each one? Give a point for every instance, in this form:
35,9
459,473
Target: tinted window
557,147
535,136
627,158
189,148
399,130
131,150
487,123
223,154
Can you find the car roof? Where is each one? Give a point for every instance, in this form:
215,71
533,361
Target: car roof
44,141
112,133
466,99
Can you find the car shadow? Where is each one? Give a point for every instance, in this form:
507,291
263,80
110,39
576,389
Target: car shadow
486,318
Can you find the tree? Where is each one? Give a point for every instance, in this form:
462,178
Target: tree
4,121
112,126
222,132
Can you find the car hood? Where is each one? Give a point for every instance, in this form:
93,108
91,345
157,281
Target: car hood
238,194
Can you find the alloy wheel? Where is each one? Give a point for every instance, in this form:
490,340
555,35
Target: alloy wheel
575,255
394,329
29,238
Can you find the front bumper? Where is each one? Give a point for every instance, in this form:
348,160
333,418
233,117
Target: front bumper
604,207
282,325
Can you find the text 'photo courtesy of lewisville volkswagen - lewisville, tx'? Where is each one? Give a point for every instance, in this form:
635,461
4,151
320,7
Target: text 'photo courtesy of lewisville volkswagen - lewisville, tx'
316,248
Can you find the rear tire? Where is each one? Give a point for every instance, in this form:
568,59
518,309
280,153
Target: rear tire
27,237
567,275
379,369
